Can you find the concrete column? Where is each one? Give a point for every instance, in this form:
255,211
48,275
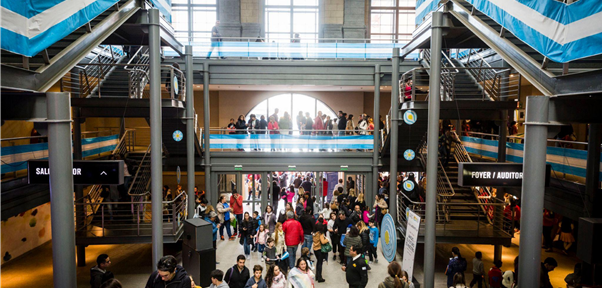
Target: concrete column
229,16
592,174
534,169
190,138
79,189
354,26
60,161
394,135
206,125
373,189
154,43
432,150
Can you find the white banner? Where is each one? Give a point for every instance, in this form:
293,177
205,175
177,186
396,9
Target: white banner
409,249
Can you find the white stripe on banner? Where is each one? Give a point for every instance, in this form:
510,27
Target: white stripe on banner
41,22
423,6
558,32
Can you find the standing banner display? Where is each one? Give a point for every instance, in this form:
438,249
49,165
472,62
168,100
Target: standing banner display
409,248
388,238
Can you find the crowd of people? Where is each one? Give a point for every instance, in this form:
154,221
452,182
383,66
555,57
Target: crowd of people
322,124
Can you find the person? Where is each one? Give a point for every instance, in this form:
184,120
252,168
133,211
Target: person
407,88
297,182
241,125
99,273
458,281
293,235
263,125
247,231
279,239
356,215
341,123
301,276
374,235
238,275
512,128
445,142
256,281
495,275
223,210
573,280
350,128
566,234
212,218
261,238
307,223
269,253
356,273
362,125
309,123
370,125
405,280
478,270
111,283
275,115
394,278
340,227
318,123
299,208
352,238
285,125
168,274
512,213
508,279
350,185
329,126
364,232
231,127
300,123
548,225
270,219
253,124
217,277
332,235
274,278
236,204
547,266
316,207
216,37
305,255
319,239
456,264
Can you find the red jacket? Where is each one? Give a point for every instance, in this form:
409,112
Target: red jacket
236,205
293,232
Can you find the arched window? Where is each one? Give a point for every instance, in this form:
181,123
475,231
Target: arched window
293,104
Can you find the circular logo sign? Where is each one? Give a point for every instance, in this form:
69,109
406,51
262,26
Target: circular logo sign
410,117
409,154
177,135
388,238
408,185
178,174
176,89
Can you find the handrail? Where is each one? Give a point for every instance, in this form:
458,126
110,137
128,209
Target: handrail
523,138
24,138
141,175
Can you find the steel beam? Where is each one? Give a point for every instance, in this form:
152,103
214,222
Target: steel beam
432,150
60,161
154,41
190,138
79,189
534,169
501,157
592,173
376,132
394,135
206,125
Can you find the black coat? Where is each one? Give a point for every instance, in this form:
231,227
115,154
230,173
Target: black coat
250,231
181,280
365,239
241,125
342,225
235,278
357,273
307,223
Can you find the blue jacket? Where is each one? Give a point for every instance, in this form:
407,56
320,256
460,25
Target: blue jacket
214,228
374,234
260,284
455,265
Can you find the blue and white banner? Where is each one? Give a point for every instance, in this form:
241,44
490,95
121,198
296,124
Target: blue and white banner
296,50
563,160
562,32
29,27
285,141
14,158
164,7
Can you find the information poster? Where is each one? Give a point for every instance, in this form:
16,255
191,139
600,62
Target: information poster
409,248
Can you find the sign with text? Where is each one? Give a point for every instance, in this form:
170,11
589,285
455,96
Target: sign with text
409,248
493,174
85,172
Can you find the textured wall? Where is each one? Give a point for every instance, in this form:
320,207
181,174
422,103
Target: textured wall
25,232
334,11
249,11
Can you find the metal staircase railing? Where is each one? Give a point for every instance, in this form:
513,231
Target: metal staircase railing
138,69
94,72
482,194
491,79
141,182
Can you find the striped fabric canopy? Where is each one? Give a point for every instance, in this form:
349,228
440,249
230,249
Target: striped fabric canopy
284,141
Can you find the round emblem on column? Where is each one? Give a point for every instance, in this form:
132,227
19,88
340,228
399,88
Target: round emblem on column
408,185
177,135
410,117
409,154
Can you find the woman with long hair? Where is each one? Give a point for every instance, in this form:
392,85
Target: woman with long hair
285,123
360,200
458,281
350,128
364,234
247,227
278,237
270,218
241,125
456,264
275,278
394,278
352,239
318,240
299,208
301,276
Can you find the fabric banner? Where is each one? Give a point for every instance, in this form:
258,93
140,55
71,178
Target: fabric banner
563,160
29,27
164,7
14,158
285,141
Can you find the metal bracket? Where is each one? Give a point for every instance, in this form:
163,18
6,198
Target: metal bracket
88,27
544,63
502,32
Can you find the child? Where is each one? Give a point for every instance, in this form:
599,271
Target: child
256,280
261,237
269,254
305,255
495,275
477,270
374,234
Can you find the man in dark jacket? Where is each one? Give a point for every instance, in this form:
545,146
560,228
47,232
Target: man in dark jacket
238,275
275,194
309,123
342,123
547,266
356,215
99,273
168,275
356,273
307,223
340,228
306,185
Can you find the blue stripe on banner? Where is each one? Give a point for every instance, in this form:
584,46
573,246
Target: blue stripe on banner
12,167
585,47
24,148
20,44
571,153
564,13
431,6
29,8
290,146
99,139
164,7
287,137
